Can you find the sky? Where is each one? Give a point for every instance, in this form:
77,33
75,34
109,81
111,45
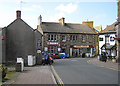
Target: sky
102,12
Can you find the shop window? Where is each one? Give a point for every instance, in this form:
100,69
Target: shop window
52,49
100,39
55,49
88,50
111,38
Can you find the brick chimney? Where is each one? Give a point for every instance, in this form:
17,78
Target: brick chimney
62,21
18,14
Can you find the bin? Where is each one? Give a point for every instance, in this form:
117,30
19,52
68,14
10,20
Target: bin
98,56
30,60
20,60
18,67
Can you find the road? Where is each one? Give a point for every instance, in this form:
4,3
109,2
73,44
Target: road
78,71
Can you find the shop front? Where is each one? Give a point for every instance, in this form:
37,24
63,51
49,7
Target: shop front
52,47
79,50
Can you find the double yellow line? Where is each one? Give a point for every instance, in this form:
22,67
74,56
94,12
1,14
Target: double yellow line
57,76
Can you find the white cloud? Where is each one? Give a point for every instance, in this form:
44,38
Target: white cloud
69,8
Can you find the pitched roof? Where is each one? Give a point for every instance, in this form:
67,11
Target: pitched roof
67,28
109,28
19,19
98,28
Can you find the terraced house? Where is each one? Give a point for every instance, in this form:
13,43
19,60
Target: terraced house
74,39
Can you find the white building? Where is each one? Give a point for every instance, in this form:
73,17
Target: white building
107,42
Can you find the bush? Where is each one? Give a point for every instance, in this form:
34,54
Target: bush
4,70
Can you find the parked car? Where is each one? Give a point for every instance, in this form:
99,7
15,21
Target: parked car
63,55
55,56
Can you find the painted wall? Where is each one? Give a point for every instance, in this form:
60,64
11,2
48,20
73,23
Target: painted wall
20,41
101,43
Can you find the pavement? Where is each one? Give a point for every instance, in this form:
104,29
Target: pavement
109,64
35,75
44,75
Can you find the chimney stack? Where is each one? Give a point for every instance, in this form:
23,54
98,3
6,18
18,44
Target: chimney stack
62,21
18,14
39,20
88,23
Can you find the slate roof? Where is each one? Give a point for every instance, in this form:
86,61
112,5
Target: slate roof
109,28
67,28
19,19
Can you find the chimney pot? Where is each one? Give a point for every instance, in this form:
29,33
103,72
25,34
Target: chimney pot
62,21
18,14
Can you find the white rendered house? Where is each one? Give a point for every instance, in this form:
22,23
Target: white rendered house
107,42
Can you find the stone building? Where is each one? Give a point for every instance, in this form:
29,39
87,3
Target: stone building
74,39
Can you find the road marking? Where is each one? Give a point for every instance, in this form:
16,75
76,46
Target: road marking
57,76
102,66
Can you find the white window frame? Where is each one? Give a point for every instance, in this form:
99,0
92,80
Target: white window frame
63,38
84,38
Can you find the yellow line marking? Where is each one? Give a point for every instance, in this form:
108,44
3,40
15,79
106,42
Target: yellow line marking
57,76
